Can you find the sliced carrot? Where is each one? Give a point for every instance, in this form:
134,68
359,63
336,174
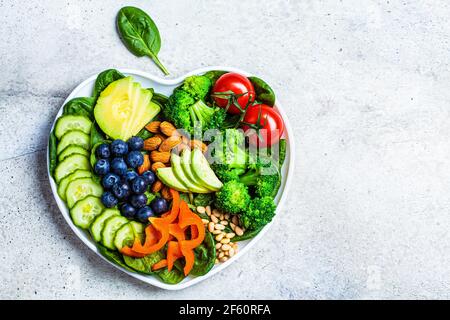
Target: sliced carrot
160,264
174,211
188,218
189,256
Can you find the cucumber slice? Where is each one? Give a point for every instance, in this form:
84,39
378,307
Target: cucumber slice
69,165
72,122
127,233
109,230
81,188
85,211
99,222
70,150
65,182
76,137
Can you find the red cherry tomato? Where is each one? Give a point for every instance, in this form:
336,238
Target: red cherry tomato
238,84
270,123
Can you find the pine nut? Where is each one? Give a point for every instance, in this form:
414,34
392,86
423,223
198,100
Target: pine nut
201,209
205,221
217,261
224,222
219,237
233,226
221,254
208,210
227,216
211,227
224,241
223,259
230,235
217,232
231,252
214,219
226,247
219,226
218,245
235,220
239,231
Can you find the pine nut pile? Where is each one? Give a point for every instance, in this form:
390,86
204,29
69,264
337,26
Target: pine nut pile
216,224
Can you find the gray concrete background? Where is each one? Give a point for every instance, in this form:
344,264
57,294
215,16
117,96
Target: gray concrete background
366,86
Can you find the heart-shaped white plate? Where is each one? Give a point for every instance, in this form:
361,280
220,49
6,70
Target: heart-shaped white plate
166,87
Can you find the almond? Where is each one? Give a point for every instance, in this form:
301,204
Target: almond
157,165
153,126
167,128
152,143
158,156
198,144
157,186
145,166
165,193
169,143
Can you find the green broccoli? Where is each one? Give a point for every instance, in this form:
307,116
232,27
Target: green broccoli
186,109
233,197
259,213
264,176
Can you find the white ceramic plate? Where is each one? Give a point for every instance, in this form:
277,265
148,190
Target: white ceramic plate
166,86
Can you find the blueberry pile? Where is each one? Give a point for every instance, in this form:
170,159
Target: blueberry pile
116,165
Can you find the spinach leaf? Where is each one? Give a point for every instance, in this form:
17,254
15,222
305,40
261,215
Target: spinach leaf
52,156
213,75
83,106
264,92
93,157
104,79
205,256
247,235
97,135
113,256
170,277
140,34
203,199
160,98
144,265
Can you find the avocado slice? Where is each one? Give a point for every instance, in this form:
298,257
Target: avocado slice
167,176
124,108
201,169
175,160
186,165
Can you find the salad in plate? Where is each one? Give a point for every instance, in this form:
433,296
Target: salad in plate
168,186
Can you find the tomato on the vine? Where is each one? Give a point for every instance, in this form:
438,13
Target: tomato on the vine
229,83
269,129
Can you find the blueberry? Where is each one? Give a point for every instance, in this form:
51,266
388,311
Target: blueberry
149,177
130,175
144,213
119,148
138,200
118,166
101,167
159,205
128,210
121,190
103,151
135,159
138,185
135,143
109,200
109,180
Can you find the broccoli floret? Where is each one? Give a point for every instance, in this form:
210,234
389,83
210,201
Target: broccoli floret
264,176
233,197
197,86
259,213
186,109
226,172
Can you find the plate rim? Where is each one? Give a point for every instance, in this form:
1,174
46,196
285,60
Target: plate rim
149,279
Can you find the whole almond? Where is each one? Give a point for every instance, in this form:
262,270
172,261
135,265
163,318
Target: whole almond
165,193
158,156
198,144
152,143
157,165
153,126
157,186
167,128
170,143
